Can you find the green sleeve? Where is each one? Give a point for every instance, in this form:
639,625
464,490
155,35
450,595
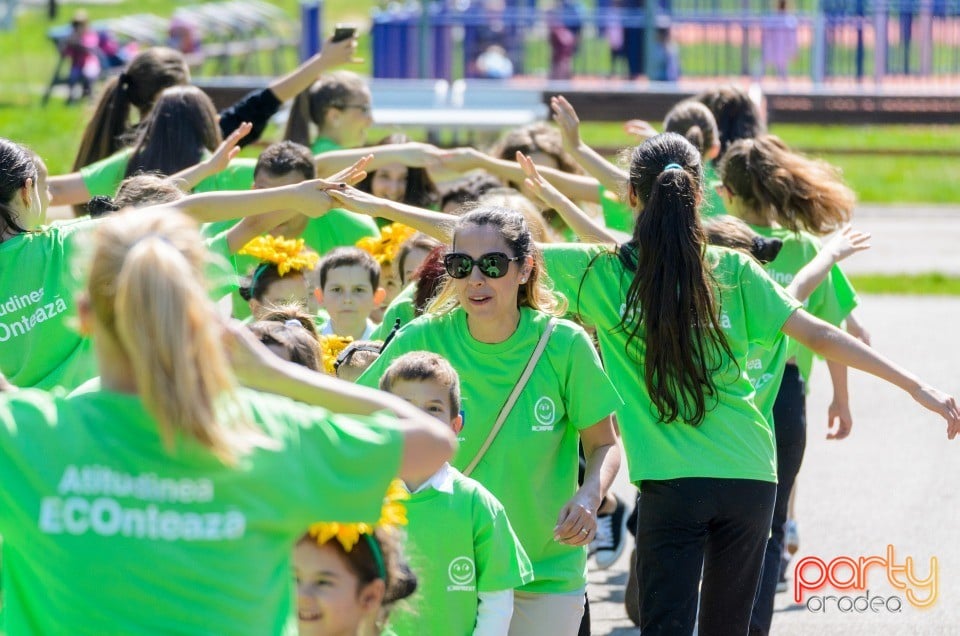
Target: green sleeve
588,393
616,214
333,446
502,563
221,270
237,176
767,305
103,177
566,264
338,228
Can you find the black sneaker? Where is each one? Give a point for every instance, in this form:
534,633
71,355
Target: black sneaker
607,545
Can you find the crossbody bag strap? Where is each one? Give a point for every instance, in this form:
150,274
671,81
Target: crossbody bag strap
514,395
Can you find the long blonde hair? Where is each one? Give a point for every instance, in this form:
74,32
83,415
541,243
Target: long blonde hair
145,289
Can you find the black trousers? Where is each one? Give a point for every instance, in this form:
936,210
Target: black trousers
790,424
689,526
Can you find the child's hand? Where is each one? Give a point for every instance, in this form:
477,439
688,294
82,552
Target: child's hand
312,198
839,420
461,159
567,120
577,523
354,174
640,129
356,200
847,242
536,184
228,150
942,404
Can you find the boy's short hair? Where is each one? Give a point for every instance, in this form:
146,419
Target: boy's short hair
421,366
142,190
349,257
284,157
358,356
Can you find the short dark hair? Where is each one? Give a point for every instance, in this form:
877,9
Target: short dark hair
421,366
284,157
349,257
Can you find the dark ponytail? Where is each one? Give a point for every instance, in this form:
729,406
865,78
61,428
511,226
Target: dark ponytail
148,73
17,164
670,303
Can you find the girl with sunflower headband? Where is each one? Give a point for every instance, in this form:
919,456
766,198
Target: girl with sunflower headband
348,575
279,278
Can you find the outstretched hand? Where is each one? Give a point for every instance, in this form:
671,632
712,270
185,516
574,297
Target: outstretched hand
567,120
356,200
536,184
228,150
640,129
353,174
942,404
847,242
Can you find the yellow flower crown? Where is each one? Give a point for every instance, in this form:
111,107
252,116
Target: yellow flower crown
385,248
393,513
286,254
330,348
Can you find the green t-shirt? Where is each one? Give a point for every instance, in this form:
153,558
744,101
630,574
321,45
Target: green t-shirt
321,145
460,543
40,345
616,214
567,391
712,204
105,532
402,308
734,440
832,300
103,177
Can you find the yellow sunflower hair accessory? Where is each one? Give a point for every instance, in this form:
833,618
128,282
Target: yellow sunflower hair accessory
393,513
330,348
385,248
286,254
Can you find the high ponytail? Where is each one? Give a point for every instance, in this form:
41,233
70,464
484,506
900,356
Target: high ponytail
335,90
145,290
670,303
146,76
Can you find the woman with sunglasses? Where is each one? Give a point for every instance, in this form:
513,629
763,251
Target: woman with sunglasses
488,320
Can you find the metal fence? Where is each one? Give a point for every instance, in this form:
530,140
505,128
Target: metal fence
823,41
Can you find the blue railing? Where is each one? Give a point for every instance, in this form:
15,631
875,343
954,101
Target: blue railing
820,40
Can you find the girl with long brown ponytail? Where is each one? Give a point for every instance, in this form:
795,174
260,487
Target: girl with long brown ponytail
675,319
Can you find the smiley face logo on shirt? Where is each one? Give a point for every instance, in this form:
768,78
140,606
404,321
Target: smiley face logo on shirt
545,411
461,571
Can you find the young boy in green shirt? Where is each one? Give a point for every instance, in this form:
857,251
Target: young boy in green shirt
349,292
459,541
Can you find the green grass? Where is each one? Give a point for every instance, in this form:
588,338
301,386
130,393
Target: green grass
877,175
928,284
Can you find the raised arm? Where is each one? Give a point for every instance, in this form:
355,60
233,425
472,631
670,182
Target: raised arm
585,227
68,189
612,177
439,226
575,186
837,345
412,154
427,443
332,55
188,178
846,242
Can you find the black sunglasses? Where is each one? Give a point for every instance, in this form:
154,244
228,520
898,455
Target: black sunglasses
492,265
